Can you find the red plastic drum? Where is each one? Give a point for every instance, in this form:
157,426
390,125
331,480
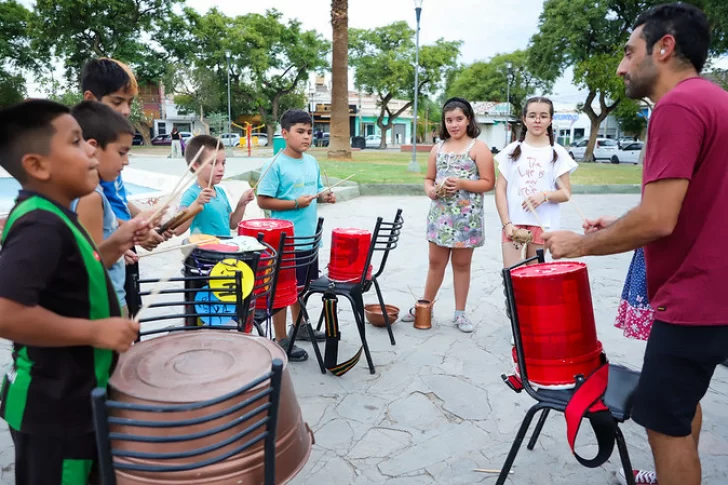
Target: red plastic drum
286,290
349,250
554,306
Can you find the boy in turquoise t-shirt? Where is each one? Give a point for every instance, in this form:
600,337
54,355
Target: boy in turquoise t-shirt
289,191
214,216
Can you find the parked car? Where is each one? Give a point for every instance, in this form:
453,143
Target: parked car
230,139
373,141
162,140
629,153
603,150
185,135
138,139
626,140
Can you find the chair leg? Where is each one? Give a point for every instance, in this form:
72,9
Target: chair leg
517,444
624,457
539,427
384,311
303,315
321,321
362,332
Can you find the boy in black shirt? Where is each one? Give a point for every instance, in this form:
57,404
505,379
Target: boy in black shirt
57,304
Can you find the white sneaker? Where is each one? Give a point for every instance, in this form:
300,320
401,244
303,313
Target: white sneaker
464,324
641,477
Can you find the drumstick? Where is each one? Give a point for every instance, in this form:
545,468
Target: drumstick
177,190
533,211
174,269
561,186
335,185
266,171
326,176
489,470
178,246
212,172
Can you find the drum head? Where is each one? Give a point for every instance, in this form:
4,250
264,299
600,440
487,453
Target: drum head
228,267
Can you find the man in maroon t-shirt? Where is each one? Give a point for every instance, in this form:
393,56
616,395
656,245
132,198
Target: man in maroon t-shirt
680,221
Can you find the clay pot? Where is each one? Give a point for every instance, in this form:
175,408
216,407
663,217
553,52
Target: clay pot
373,313
194,366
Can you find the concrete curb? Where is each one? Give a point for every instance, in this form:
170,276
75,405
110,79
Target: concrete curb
416,189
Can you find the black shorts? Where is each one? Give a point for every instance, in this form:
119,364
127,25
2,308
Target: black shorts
131,287
303,272
46,460
678,366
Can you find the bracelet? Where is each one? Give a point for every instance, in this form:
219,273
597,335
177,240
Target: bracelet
506,224
545,197
296,206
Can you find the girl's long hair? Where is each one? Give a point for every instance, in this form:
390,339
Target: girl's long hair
451,104
550,130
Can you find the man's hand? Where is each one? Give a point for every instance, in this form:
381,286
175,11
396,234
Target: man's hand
305,200
564,244
593,225
205,196
115,333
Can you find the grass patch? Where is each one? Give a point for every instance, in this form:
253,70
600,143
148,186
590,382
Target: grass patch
385,167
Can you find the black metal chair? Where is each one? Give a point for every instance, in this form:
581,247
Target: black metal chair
384,239
618,396
188,308
245,429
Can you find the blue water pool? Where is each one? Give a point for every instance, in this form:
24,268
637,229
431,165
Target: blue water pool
9,188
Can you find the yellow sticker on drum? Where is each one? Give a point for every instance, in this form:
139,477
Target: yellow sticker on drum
228,267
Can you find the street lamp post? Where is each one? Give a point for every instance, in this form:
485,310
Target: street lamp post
413,165
227,55
508,100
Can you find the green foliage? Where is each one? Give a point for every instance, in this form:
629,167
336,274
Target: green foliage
69,98
77,30
384,59
15,51
12,89
488,81
627,114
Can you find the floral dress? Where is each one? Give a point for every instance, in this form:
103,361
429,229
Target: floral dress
635,315
456,221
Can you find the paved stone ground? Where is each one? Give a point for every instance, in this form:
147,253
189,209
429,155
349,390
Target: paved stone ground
436,407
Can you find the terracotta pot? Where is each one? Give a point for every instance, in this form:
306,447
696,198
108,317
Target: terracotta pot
195,366
373,313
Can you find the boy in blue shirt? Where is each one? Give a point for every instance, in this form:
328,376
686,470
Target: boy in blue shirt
289,191
214,216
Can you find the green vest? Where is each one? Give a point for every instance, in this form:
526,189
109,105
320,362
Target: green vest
19,380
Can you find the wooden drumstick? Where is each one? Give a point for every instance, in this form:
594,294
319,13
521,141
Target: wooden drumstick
335,185
214,161
178,246
490,470
533,211
266,171
561,186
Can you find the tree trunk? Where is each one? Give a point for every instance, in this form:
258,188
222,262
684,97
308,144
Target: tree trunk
596,120
339,141
144,128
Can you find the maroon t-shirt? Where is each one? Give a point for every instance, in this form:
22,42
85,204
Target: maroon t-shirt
687,271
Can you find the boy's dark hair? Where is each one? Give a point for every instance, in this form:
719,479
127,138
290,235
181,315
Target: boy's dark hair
464,105
104,76
207,141
294,117
101,123
686,23
27,128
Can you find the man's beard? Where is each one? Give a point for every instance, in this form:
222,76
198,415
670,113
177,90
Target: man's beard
640,86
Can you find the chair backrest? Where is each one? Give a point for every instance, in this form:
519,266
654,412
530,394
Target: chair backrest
384,239
309,244
512,313
250,420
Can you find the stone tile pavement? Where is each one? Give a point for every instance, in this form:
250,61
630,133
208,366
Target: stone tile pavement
436,407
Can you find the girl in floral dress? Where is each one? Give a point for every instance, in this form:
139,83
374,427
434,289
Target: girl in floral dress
460,169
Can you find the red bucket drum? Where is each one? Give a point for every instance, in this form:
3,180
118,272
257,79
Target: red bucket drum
349,250
554,307
194,366
286,288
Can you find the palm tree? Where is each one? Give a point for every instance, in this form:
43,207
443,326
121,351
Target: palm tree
339,144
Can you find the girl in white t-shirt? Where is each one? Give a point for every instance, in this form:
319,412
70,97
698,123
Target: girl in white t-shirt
528,169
